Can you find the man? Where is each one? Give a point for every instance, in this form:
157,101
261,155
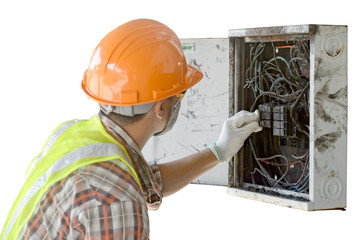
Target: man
91,180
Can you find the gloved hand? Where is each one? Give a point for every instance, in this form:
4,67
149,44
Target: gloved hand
233,134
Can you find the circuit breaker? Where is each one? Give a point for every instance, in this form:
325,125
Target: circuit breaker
296,76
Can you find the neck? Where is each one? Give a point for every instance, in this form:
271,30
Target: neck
139,132
153,122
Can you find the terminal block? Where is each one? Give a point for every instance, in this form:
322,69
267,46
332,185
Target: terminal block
276,117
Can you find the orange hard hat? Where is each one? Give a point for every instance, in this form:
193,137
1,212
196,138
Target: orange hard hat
139,62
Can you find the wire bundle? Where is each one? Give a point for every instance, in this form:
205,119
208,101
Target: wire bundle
278,74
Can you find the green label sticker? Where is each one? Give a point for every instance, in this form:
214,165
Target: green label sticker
186,47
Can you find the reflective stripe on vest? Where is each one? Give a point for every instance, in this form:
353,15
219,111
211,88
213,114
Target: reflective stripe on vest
72,145
51,140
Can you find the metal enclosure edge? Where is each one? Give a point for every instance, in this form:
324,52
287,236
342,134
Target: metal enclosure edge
328,120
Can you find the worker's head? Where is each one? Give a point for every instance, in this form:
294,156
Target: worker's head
137,67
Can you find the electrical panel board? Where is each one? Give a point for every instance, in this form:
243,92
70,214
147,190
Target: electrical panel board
296,76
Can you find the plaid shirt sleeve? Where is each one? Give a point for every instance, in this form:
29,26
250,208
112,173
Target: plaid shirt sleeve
112,221
157,174
98,201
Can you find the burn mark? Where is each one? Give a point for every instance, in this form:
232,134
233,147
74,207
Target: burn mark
206,74
318,69
323,71
189,115
327,140
220,48
322,114
324,98
334,52
160,158
197,150
220,95
339,94
194,63
198,66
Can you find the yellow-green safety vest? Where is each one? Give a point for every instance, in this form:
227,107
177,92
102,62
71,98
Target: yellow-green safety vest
71,145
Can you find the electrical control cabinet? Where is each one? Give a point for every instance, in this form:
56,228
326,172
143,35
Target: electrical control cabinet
296,76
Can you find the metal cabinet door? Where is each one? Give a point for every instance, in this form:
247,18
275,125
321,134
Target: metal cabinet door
204,109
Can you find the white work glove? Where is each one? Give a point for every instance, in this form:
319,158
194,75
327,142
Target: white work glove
233,134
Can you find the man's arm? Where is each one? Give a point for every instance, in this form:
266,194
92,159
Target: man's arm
179,173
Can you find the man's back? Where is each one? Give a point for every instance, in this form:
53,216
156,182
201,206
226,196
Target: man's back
97,201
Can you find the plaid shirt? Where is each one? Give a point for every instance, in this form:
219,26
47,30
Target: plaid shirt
101,200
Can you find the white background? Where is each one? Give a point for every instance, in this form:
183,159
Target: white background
45,47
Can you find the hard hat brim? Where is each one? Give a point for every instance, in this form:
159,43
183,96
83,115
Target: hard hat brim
192,77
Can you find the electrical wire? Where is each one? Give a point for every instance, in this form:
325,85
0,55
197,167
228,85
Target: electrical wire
283,79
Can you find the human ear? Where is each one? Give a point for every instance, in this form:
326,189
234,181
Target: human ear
159,109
